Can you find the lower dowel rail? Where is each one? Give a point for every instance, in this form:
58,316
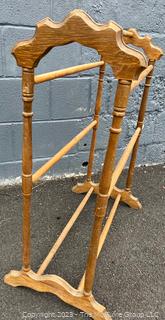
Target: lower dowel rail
64,233
40,172
123,160
104,234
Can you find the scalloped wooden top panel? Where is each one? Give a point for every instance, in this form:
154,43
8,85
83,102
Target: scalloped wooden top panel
152,52
107,39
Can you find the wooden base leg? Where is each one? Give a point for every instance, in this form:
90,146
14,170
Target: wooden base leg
126,196
59,287
85,186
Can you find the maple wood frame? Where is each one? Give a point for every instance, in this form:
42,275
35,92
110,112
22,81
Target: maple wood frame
130,67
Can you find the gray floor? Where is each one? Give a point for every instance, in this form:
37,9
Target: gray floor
130,279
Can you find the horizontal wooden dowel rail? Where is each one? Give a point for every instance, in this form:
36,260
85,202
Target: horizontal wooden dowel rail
64,233
123,160
103,234
40,172
142,76
65,72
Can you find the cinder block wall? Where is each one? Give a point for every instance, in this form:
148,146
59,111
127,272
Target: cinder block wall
63,107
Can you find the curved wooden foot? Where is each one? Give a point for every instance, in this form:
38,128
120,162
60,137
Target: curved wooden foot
126,196
85,186
58,286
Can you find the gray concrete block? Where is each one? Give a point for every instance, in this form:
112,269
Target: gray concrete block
103,135
71,164
48,137
148,130
89,55
11,101
11,105
147,136
70,98
128,14
24,12
155,99
155,153
134,100
41,103
100,11
159,132
141,15
10,170
140,156
60,9
1,54
57,58
12,35
156,95
120,151
6,142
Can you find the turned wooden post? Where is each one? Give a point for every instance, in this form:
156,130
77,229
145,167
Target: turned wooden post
140,123
120,104
96,117
27,95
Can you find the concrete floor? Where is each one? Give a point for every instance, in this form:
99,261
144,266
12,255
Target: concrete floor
130,279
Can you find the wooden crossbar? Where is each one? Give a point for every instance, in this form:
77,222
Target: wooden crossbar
123,160
41,171
103,234
65,72
142,77
64,233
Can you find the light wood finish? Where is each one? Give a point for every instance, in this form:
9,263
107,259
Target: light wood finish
65,72
64,233
126,197
107,39
83,187
102,207
140,123
59,287
128,65
123,160
96,117
119,167
40,172
27,96
121,99
103,234
142,77
132,37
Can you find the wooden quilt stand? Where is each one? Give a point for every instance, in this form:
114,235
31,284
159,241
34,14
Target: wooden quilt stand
130,66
